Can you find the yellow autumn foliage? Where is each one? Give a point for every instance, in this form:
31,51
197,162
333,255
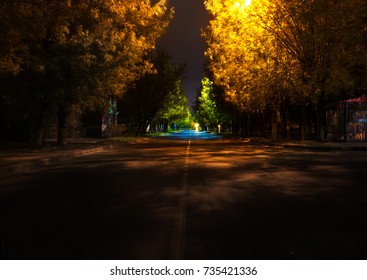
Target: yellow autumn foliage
263,51
237,43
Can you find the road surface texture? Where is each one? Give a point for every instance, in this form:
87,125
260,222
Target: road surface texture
181,197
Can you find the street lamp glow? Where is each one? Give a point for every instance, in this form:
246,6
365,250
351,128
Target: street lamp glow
242,3
196,127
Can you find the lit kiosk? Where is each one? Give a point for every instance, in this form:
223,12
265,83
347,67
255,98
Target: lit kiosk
347,120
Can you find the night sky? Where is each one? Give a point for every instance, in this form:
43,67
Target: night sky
183,41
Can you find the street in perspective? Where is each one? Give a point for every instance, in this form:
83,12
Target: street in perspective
190,195
231,133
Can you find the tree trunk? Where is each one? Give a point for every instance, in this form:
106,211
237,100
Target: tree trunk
40,127
286,121
235,126
143,128
248,124
274,127
165,126
38,140
243,123
321,119
303,119
61,114
276,124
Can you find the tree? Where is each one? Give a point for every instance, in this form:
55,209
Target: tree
279,52
77,51
206,112
175,111
154,95
242,55
313,33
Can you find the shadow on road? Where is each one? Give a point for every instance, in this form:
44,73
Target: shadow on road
243,202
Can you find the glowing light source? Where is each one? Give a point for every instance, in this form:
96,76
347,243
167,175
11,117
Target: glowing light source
196,127
242,4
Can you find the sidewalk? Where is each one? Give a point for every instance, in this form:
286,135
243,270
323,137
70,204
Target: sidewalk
16,158
311,145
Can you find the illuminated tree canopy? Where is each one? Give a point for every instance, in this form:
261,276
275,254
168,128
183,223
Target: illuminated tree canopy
205,107
306,53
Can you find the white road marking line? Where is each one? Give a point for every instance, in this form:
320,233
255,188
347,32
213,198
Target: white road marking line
178,240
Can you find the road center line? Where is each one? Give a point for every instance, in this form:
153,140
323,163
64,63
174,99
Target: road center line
178,240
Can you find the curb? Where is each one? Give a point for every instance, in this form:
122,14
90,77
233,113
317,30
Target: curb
325,148
18,167
317,148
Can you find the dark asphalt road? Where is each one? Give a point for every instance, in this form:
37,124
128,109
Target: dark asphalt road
208,199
